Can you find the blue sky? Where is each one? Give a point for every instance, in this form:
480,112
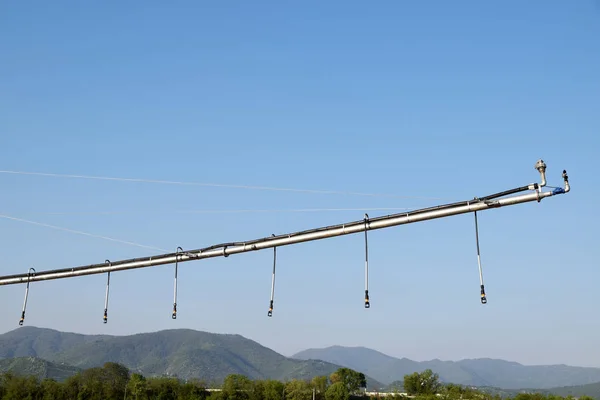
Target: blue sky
435,101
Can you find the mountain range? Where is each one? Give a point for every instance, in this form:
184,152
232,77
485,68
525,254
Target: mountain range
33,366
211,357
183,353
472,372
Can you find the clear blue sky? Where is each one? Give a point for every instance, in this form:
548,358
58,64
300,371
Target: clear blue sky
434,99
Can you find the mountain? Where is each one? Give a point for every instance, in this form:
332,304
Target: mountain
475,372
31,366
388,369
180,352
591,389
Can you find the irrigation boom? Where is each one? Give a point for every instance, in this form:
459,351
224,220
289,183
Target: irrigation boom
226,249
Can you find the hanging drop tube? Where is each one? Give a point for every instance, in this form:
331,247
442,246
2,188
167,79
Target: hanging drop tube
22,320
106,295
174,314
367,301
270,312
483,297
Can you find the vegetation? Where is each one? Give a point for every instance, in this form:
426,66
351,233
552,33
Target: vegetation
113,381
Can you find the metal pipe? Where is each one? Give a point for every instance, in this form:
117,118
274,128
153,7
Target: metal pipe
288,239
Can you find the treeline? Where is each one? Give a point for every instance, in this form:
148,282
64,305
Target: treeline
115,382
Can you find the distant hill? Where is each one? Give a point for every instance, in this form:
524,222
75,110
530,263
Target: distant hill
183,353
591,389
477,372
31,366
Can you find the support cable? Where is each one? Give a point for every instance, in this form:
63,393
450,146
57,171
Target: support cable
222,185
216,211
80,232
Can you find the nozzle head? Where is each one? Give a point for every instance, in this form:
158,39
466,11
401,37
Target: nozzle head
483,298
540,165
270,312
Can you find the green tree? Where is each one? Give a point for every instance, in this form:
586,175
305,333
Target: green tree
192,390
71,386
91,385
423,383
257,390
353,380
114,380
137,387
320,383
298,390
215,396
163,388
237,387
273,390
51,390
20,388
337,391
